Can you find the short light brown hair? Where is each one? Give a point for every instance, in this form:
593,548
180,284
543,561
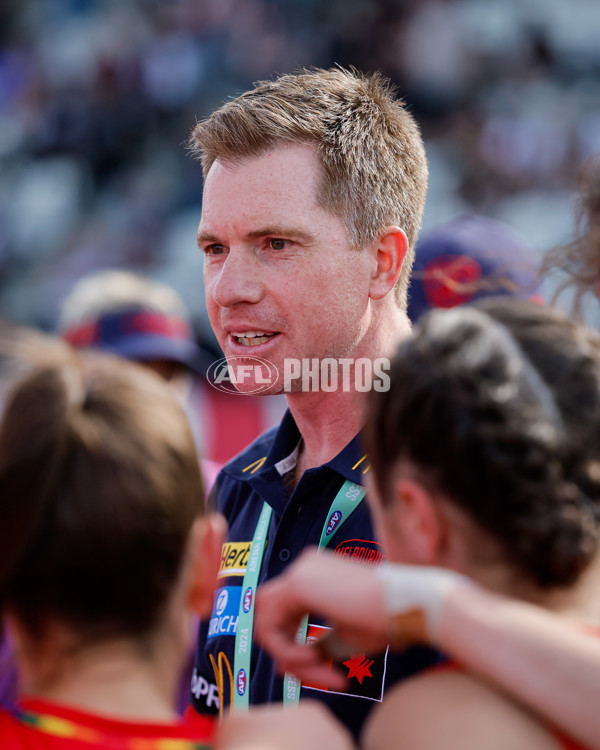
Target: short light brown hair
370,147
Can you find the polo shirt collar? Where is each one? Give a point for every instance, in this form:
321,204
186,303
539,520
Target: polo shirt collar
350,463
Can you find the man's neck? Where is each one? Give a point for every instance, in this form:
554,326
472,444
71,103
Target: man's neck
328,421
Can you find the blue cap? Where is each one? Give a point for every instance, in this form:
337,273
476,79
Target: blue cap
470,258
140,334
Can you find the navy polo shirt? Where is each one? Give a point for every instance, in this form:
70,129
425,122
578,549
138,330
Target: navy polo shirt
256,476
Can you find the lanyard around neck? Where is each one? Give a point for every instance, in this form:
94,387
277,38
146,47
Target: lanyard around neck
344,504
243,633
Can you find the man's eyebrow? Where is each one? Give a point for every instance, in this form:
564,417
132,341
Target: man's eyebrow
269,231
206,237
283,232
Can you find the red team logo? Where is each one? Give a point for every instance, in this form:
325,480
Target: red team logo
359,667
451,280
365,676
361,550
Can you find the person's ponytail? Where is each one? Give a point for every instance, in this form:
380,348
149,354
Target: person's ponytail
33,437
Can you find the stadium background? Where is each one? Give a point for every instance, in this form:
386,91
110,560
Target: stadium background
98,97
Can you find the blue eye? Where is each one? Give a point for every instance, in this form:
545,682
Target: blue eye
214,250
277,244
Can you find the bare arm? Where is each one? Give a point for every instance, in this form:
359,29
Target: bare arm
540,658
444,711
344,593
309,726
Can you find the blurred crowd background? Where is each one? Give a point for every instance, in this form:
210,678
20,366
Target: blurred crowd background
98,97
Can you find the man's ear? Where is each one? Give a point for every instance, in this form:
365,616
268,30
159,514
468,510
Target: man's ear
422,525
390,250
206,542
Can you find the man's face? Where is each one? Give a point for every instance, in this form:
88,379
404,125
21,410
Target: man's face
281,280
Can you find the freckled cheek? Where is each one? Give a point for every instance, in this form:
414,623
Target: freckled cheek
210,278
212,307
207,279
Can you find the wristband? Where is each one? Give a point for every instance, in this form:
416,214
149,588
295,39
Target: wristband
413,600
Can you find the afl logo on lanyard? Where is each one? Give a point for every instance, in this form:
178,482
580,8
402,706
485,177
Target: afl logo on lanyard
334,519
247,603
241,682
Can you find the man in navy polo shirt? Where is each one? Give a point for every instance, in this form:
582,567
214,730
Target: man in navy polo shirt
314,191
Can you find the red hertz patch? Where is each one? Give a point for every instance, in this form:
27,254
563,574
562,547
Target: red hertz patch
365,675
361,550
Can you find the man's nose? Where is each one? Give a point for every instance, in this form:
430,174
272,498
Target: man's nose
239,280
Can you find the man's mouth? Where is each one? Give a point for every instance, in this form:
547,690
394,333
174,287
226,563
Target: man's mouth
252,338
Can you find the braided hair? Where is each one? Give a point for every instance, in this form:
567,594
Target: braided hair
498,405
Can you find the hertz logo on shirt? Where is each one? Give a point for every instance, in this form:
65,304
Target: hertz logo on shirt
234,558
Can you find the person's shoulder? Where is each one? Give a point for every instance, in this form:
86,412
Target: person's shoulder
450,708
309,725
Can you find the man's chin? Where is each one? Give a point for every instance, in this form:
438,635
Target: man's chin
259,389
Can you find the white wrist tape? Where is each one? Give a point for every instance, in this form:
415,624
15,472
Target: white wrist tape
414,590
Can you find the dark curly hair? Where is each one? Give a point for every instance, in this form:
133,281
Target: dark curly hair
498,406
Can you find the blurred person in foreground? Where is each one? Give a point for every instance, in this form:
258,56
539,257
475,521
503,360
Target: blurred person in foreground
470,258
145,321
106,552
20,350
485,464
313,196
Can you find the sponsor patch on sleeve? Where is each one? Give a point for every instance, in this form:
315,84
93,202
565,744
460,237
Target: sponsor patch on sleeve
365,675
